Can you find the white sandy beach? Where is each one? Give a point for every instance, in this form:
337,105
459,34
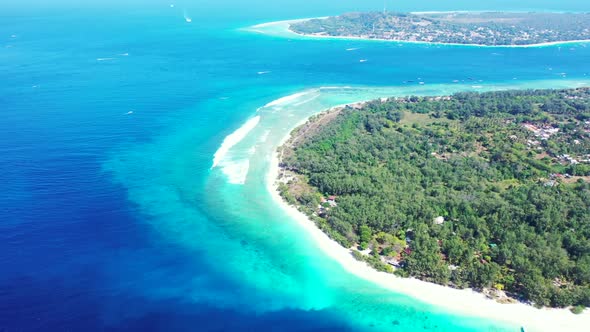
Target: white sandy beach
466,302
285,25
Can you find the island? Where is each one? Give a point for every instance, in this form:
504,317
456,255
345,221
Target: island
489,191
474,28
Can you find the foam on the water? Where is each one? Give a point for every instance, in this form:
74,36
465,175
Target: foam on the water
233,139
235,167
305,101
286,100
264,136
233,157
236,171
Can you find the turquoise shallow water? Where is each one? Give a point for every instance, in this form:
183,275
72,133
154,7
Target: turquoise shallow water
322,285
113,218
261,247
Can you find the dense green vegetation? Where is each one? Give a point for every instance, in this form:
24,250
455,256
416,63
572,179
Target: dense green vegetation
495,28
474,190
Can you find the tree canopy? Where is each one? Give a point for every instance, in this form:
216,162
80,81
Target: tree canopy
473,190
487,28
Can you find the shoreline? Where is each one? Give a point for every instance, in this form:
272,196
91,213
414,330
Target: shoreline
314,36
465,301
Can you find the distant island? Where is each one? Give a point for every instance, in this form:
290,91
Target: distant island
475,28
489,191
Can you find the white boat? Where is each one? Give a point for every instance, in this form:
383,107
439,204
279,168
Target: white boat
187,18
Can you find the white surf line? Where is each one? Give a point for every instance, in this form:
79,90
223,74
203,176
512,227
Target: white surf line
233,139
289,98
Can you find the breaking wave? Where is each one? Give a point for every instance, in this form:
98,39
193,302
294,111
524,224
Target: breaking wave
233,139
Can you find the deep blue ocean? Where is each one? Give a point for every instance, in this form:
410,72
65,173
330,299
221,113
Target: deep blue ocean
111,217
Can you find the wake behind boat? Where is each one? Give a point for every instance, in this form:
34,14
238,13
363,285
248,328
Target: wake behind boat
187,18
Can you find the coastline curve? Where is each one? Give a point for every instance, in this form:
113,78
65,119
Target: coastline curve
282,29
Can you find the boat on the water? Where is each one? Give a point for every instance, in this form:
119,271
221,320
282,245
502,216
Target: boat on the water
187,18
